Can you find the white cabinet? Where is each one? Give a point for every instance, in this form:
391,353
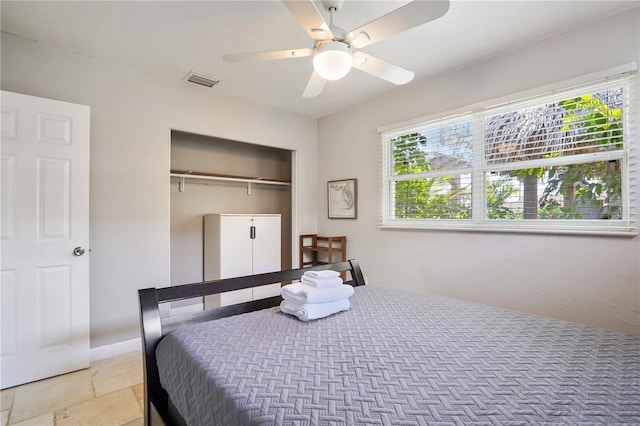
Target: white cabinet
240,244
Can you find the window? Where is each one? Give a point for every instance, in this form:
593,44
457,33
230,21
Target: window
563,162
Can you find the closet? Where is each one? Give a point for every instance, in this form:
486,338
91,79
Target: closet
220,169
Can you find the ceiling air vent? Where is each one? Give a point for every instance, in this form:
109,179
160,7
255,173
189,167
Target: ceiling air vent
201,79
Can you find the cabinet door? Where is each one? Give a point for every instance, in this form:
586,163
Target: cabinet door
266,252
266,244
235,246
235,255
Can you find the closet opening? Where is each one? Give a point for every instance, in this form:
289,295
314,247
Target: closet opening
211,175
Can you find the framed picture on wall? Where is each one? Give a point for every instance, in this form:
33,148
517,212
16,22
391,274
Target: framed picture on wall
342,199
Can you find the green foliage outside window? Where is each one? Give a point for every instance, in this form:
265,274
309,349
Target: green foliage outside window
585,124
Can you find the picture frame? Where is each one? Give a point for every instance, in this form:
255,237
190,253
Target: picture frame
342,199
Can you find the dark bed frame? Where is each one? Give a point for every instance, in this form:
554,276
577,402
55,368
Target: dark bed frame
158,409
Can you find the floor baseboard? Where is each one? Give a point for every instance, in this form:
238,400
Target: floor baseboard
115,349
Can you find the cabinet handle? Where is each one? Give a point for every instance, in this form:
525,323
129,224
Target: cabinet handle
252,232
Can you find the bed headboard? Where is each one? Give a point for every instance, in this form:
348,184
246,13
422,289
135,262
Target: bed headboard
154,327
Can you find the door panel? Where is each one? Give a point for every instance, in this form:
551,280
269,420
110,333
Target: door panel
235,253
235,246
54,296
266,245
266,252
53,198
54,129
44,291
9,310
7,196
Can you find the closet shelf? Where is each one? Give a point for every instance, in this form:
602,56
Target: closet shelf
182,175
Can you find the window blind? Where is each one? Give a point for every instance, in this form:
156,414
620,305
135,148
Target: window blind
565,161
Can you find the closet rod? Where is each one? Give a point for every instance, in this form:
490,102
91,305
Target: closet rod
248,181
232,179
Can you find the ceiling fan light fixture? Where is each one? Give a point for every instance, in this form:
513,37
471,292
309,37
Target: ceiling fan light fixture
332,60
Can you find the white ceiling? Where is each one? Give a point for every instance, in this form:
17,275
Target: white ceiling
170,38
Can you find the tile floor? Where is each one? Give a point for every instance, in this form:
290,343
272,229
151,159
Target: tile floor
108,393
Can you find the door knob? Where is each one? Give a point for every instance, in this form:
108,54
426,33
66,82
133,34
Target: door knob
78,251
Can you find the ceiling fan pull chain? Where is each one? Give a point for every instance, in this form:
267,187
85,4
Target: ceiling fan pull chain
332,15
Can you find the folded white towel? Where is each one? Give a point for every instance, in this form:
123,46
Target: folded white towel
303,293
322,274
322,282
307,312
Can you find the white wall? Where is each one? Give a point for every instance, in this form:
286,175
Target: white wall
132,114
592,280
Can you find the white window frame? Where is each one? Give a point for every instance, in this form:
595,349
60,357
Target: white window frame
625,76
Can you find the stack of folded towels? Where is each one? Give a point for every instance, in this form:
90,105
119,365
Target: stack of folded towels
317,295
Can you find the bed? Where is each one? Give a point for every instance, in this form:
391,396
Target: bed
395,358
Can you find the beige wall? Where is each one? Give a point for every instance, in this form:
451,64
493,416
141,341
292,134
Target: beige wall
132,115
592,280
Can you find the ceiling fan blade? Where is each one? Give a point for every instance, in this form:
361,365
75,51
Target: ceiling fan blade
310,18
269,55
402,19
381,69
314,86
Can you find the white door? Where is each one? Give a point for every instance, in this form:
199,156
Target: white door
44,285
235,246
266,252
266,244
235,254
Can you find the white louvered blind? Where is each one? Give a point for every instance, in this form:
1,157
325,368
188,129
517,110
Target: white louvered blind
562,162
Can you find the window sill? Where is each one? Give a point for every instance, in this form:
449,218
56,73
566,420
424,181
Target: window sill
612,228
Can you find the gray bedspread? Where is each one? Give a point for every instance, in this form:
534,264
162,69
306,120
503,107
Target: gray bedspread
399,358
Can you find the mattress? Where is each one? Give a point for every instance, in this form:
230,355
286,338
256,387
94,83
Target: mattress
401,358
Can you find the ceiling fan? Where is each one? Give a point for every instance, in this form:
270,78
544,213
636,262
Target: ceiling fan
332,51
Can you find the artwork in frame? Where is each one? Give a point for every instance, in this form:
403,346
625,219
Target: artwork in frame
342,199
